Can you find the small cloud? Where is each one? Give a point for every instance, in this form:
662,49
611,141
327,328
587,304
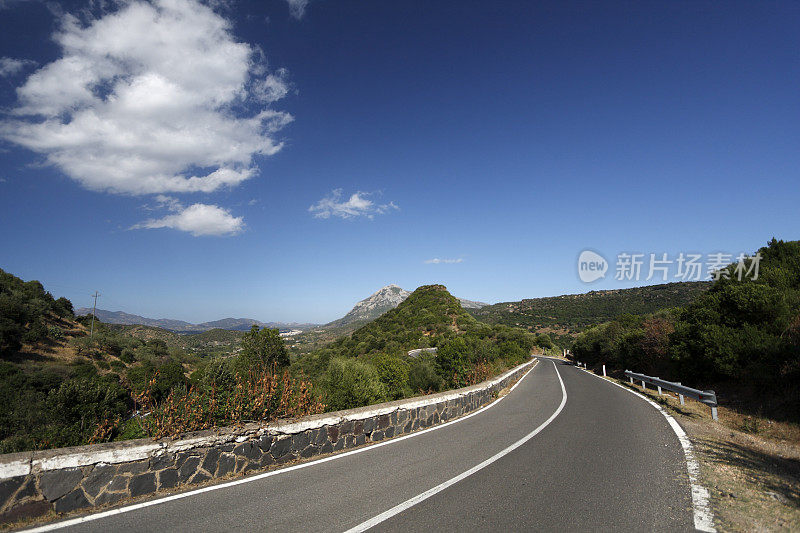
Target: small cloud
252,202
197,219
297,8
437,261
168,202
10,66
357,205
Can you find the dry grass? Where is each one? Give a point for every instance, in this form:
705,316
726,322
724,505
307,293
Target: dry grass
750,464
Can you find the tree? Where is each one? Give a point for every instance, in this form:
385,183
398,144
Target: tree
261,348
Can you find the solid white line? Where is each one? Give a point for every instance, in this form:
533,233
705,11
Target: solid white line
397,509
150,503
701,506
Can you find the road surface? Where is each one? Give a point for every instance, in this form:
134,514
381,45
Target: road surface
605,461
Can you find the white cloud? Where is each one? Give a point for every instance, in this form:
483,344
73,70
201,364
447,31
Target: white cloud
197,219
10,66
437,261
297,8
157,97
356,206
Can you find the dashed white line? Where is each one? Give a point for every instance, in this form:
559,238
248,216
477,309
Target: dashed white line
411,502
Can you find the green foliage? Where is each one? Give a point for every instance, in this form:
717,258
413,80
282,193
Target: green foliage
393,372
570,314
25,308
353,383
744,332
452,362
45,409
422,376
261,348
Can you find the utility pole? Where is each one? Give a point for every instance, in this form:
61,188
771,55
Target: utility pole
94,310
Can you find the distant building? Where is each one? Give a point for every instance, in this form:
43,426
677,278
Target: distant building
418,351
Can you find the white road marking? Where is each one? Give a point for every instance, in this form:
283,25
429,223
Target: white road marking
372,522
150,503
701,506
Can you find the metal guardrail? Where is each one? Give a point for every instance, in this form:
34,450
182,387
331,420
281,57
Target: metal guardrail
708,397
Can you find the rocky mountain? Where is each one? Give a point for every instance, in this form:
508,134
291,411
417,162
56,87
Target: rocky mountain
382,301
233,324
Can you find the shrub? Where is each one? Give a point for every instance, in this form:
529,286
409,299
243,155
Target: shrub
452,362
260,349
352,383
422,376
393,372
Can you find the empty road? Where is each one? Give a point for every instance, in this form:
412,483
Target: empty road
563,451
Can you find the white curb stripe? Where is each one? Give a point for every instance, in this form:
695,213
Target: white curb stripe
701,505
150,503
397,509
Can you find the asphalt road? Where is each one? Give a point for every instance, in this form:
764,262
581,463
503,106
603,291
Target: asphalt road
607,461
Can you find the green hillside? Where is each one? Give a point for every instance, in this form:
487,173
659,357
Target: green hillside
741,338
372,363
562,317
211,342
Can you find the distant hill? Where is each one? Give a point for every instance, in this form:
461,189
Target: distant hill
427,313
234,324
565,316
380,302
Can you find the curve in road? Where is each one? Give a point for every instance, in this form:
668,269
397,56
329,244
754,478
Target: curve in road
602,460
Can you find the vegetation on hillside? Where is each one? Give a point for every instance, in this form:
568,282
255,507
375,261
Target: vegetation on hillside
740,333
59,386
372,363
563,317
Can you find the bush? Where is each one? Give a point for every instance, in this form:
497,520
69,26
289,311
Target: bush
261,348
352,383
422,377
452,362
393,372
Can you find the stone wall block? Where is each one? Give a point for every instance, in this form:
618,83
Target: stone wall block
8,487
188,468
226,464
160,462
57,483
369,425
265,442
99,478
167,478
210,461
29,509
300,441
143,483
72,501
281,447
136,467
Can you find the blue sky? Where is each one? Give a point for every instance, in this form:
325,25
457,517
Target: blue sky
340,146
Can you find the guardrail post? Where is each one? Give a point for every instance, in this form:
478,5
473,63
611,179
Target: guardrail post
644,387
682,400
604,370
630,378
714,413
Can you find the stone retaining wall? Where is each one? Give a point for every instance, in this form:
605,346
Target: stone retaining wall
81,477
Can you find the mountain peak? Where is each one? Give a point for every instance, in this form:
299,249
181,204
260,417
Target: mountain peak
383,300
